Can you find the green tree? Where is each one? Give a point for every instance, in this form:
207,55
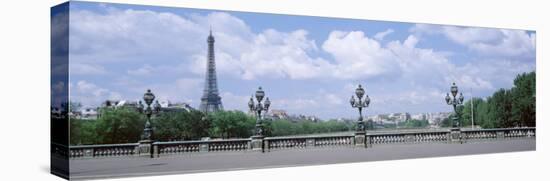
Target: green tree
231,124
185,125
282,127
500,108
83,132
524,101
484,117
121,125
285,127
466,113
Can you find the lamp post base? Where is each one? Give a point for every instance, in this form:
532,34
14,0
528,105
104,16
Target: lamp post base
455,135
145,148
360,139
256,143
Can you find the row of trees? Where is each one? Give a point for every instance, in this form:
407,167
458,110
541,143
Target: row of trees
286,127
114,126
505,108
125,125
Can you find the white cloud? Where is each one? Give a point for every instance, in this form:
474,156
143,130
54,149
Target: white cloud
269,54
185,84
232,101
86,69
333,99
296,105
358,56
514,43
380,35
144,70
89,93
182,89
486,41
420,66
132,35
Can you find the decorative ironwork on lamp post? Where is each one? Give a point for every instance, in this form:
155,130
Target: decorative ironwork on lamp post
360,103
258,109
454,101
148,97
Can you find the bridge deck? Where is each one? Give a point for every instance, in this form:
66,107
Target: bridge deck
203,162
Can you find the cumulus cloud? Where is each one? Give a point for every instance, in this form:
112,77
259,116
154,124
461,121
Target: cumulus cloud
86,69
89,93
358,56
271,54
380,35
231,101
144,70
282,55
486,41
130,35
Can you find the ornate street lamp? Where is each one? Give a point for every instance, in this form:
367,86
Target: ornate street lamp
258,108
454,102
148,97
360,104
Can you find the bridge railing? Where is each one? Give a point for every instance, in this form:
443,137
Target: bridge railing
179,147
499,133
109,150
299,142
273,143
407,137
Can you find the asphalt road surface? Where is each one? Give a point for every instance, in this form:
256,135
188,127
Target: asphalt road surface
205,162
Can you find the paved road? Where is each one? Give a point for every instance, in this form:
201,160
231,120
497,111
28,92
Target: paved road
202,162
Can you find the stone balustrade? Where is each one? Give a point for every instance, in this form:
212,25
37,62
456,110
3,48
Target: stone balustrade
408,137
501,133
179,147
110,150
299,142
306,141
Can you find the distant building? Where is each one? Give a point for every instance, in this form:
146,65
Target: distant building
420,116
437,118
89,113
279,114
165,106
120,104
404,117
301,117
395,118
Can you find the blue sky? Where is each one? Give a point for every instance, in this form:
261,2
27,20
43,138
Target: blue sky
306,65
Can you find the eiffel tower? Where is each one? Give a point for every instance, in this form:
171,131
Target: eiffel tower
211,100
